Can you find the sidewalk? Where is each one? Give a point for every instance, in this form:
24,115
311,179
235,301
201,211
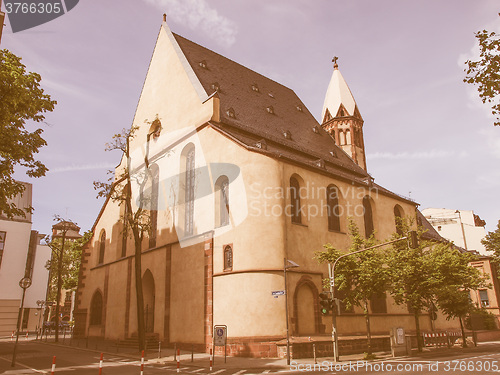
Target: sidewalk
202,359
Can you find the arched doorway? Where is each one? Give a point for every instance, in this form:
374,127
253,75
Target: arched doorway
305,302
148,287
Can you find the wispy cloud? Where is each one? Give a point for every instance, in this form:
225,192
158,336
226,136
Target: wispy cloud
199,15
420,155
84,167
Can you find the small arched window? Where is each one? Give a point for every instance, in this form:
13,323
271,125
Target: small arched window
332,203
222,201
96,309
102,247
348,137
368,216
398,217
295,200
228,258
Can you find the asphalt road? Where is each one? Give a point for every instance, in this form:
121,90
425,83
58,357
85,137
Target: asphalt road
36,358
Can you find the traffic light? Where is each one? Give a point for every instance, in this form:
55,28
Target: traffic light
413,239
325,302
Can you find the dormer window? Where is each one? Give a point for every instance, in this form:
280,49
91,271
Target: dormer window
299,108
262,144
287,134
203,64
215,86
320,163
271,95
316,129
230,113
332,153
270,109
255,87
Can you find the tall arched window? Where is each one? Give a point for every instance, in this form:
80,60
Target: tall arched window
341,137
228,258
368,216
154,175
295,200
189,194
222,201
96,309
102,247
348,137
398,217
332,203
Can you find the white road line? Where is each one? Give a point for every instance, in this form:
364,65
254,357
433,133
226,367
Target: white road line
22,365
239,372
200,369
218,372
265,371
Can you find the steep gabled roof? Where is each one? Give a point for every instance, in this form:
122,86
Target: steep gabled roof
254,107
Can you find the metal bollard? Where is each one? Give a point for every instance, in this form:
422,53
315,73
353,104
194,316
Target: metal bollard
159,349
314,353
100,364
142,363
178,360
53,365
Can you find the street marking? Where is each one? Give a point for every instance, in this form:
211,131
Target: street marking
265,371
200,369
218,372
239,372
23,365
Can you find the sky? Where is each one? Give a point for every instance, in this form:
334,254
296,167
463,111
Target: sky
427,134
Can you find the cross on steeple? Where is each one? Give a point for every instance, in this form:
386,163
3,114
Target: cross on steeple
334,60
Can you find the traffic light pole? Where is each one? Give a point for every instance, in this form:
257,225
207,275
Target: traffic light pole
331,273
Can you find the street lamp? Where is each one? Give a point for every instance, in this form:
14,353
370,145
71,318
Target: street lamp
24,283
286,265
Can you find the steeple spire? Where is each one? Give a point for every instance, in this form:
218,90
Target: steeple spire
341,118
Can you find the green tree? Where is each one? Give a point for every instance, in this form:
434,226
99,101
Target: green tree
454,279
21,100
492,243
70,263
412,280
359,277
136,218
486,71
59,246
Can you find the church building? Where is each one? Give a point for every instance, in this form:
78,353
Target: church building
240,178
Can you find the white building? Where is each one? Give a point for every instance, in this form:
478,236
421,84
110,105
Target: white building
21,255
464,228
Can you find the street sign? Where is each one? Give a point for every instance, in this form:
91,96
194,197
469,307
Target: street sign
220,335
277,293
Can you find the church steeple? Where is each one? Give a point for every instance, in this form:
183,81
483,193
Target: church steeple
341,117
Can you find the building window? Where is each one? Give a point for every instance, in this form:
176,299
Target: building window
228,258
295,200
154,175
189,195
332,203
483,295
96,309
102,247
378,304
2,244
222,201
398,218
368,216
